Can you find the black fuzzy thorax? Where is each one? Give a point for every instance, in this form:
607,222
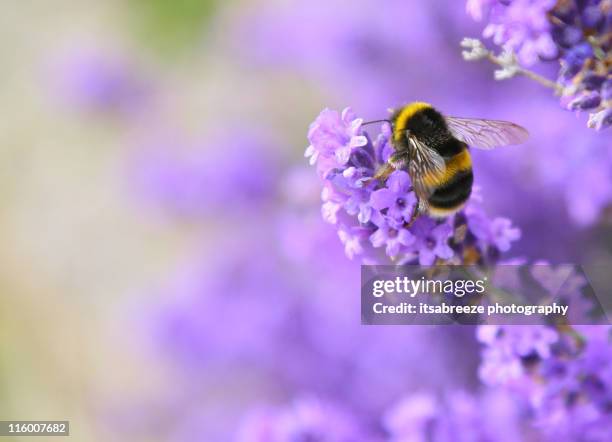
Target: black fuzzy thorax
429,126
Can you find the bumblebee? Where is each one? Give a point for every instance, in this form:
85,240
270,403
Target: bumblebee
433,149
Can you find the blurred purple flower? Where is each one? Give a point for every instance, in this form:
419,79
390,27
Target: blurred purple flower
370,216
582,31
558,155
193,178
601,119
459,417
565,376
306,419
507,347
364,48
577,33
520,24
254,308
587,157
97,81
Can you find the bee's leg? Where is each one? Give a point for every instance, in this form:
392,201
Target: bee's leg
414,216
383,173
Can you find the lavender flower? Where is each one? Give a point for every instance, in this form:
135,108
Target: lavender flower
370,216
508,347
419,417
582,32
519,24
254,308
576,33
564,375
97,81
363,48
601,119
459,416
559,154
432,241
306,419
334,136
192,178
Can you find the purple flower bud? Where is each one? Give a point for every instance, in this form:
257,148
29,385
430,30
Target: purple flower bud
96,81
573,61
592,81
592,16
568,36
521,25
601,120
566,378
458,416
585,102
306,419
606,90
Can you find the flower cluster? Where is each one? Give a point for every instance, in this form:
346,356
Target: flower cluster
564,375
97,81
520,24
458,416
189,178
576,33
304,419
371,215
583,32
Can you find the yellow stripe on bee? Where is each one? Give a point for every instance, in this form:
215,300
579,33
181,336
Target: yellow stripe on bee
460,162
438,212
406,113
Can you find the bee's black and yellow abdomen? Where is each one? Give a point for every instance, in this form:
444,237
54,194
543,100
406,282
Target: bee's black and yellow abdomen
455,186
451,196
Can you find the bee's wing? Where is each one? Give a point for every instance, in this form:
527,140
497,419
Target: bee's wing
426,169
422,190
486,134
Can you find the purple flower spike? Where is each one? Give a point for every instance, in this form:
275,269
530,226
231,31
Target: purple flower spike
458,417
306,419
371,215
574,34
565,378
95,80
522,25
333,137
601,120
